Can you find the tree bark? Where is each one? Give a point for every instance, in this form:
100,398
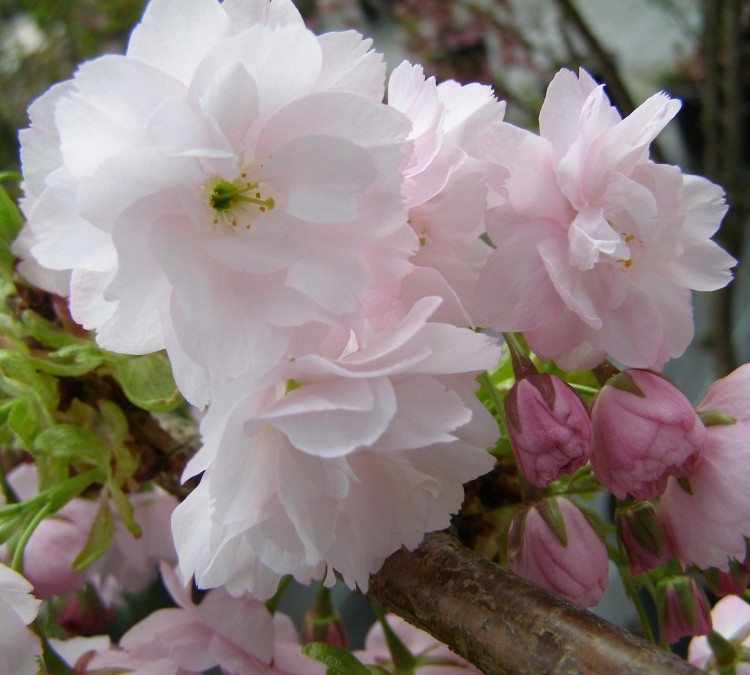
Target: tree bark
503,624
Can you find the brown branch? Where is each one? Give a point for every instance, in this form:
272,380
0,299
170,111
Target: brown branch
503,624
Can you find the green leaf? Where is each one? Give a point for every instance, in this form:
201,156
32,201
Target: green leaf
72,442
10,223
100,536
338,661
23,421
71,360
47,333
147,381
124,509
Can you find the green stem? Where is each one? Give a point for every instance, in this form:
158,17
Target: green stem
39,516
272,604
486,380
522,364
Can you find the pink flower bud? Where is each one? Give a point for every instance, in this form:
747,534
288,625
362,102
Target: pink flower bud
641,537
683,608
322,623
644,431
549,428
552,545
731,582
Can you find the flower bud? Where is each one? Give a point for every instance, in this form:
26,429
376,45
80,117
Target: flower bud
641,537
549,428
552,545
731,582
644,431
683,608
323,622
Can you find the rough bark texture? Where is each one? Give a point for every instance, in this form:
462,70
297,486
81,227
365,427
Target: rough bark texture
501,623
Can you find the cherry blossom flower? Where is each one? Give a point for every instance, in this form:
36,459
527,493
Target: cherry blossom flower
445,186
570,560
328,464
219,186
645,430
19,647
731,620
236,635
597,246
432,657
708,518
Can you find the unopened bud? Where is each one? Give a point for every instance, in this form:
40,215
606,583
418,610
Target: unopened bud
683,608
644,431
641,537
552,545
549,428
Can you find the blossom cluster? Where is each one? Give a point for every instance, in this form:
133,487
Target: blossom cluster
314,247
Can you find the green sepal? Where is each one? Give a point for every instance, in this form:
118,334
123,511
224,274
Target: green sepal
403,660
625,382
147,381
713,418
549,510
100,536
338,661
724,651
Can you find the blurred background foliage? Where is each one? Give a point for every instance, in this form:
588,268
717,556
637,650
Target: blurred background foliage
698,50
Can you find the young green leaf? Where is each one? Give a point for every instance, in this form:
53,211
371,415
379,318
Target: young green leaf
338,661
147,382
100,536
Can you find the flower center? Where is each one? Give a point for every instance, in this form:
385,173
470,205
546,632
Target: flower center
230,200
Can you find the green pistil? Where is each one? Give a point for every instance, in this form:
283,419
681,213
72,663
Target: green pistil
227,195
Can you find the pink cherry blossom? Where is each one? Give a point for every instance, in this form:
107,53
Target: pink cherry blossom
731,619
220,187
576,568
237,635
597,247
445,185
549,428
328,464
19,646
645,430
709,520
433,657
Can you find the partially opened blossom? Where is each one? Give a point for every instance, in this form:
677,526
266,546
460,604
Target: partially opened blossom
552,545
218,187
19,646
236,635
445,184
597,246
645,430
330,463
707,515
731,619
431,657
